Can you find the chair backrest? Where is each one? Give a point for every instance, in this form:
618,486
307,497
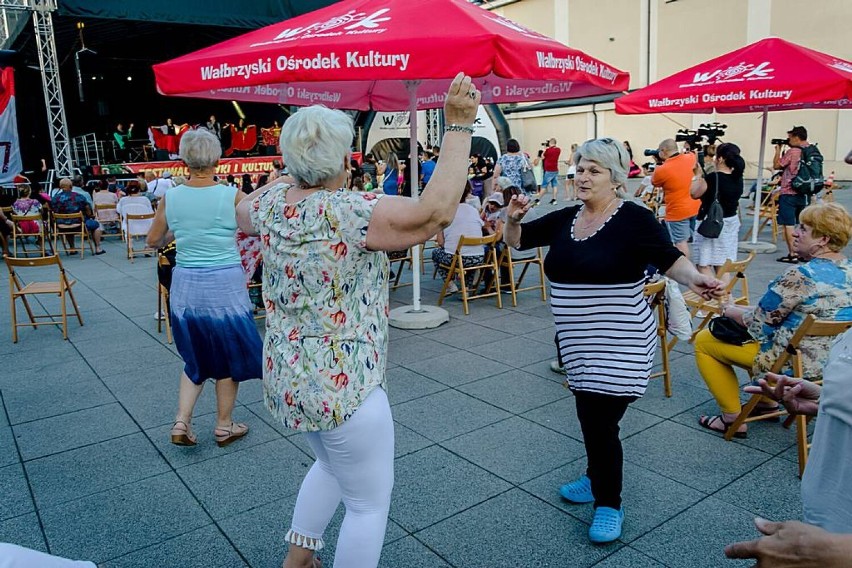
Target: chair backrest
656,291
465,241
737,269
810,327
102,211
138,225
78,216
12,262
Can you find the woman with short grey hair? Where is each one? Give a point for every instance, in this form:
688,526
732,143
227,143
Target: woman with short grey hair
605,330
325,286
209,308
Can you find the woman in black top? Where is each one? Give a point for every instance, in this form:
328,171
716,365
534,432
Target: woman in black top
726,182
605,330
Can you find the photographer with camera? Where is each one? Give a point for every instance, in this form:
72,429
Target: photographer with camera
675,175
551,167
790,202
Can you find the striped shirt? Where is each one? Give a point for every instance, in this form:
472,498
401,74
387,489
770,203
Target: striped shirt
605,328
595,356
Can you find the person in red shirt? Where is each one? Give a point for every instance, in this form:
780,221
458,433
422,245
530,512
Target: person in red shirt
790,203
550,162
675,177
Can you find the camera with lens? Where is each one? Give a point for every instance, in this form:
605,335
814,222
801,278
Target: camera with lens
546,143
651,152
779,141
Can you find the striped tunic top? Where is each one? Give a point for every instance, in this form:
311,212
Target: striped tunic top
604,327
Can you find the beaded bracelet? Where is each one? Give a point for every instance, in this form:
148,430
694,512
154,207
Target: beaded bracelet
459,128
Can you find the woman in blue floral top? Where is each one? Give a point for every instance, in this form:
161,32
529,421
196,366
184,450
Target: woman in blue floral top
822,286
325,290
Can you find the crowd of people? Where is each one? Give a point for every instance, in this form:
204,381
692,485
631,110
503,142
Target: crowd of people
325,273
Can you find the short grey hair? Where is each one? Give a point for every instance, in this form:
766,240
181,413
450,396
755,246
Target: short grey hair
503,182
608,153
200,149
314,142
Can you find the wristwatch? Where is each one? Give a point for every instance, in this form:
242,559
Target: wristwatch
459,128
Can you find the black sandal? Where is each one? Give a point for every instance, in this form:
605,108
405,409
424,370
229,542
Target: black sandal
708,421
789,259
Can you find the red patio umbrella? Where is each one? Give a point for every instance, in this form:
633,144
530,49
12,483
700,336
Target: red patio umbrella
771,74
363,54
389,55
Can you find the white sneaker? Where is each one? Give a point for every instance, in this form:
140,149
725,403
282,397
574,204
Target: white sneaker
452,288
159,316
556,368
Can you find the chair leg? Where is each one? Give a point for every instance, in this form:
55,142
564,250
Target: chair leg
512,288
463,286
497,278
667,372
14,315
159,308
744,413
802,442
64,315
76,306
450,273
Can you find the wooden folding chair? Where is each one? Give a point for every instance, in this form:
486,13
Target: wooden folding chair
457,268
736,270
21,235
508,263
769,214
106,214
75,227
655,292
400,257
163,312
792,355
132,222
19,289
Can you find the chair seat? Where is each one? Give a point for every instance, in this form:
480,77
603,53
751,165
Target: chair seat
42,288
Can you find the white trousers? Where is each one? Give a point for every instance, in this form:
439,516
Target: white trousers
354,464
13,556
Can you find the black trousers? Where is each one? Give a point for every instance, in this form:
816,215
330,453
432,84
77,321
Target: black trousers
599,415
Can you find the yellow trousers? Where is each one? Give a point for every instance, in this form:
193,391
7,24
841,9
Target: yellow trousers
716,360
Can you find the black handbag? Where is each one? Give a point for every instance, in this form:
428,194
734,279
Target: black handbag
711,226
729,330
528,183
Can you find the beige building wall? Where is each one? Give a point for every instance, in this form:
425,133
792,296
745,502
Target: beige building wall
653,39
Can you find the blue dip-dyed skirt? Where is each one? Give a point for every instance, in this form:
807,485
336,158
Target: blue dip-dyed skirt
213,324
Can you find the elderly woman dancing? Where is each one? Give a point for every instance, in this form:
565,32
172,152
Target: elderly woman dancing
325,287
210,311
599,251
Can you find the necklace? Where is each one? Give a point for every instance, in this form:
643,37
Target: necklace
596,218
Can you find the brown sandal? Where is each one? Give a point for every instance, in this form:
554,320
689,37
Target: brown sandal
182,435
232,433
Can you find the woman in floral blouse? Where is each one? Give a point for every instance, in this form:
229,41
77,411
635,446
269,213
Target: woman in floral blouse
325,289
822,286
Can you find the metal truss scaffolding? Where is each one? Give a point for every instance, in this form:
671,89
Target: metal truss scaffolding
43,23
433,127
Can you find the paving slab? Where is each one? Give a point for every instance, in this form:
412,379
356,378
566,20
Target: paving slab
516,391
23,531
446,414
515,449
70,475
514,529
433,484
405,385
73,430
122,520
16,499
698,536
240,481
33,400
561,416
210,549
457,368
469,336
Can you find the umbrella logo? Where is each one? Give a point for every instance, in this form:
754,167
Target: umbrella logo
741,72
350,21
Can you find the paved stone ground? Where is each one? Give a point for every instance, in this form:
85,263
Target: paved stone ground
485,434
